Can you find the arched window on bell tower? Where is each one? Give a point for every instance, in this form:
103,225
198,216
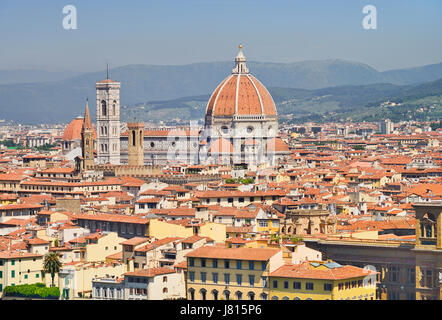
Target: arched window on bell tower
114,108
103,108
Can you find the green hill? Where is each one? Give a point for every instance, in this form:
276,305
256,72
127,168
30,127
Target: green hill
63,100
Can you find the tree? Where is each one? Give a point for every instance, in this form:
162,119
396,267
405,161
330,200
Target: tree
51,265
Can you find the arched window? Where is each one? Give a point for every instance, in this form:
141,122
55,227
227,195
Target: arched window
114,108
274,298
285,298
165,279
251,295
215,294
263,296
133,137
192,293
238,295
164,290
226,294
296,298
203,294
103,108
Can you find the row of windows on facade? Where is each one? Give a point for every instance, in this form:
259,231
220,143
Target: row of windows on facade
251,295
226,294
103,147
203,263
251,278
428,276
103,131
107,226
242,199
37,275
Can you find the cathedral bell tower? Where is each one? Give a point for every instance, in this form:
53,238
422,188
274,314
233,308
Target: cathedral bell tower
108,121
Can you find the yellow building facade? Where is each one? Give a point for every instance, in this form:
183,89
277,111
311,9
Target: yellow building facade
18,268
322,281
219,273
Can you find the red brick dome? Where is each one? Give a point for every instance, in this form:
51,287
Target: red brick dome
240,94
73,130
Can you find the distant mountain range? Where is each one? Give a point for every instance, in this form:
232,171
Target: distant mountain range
359,102
62,99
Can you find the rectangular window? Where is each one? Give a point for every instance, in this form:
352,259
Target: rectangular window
37,275
203,262
328,287
341,286
12,262
1,274
26,276
13,274
251,265
239,279
251,280
226,278
203,277
215,263
309,286
347,285
286,284
359,283
263,223
353,284
264,265
275,283
192,276
226,264
297,285
264,282
191,262
238,264
215,277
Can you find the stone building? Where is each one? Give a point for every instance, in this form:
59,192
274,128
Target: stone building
307,222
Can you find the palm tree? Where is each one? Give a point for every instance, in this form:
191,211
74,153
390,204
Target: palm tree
51,265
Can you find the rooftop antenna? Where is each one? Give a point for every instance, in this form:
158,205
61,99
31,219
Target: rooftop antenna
107,71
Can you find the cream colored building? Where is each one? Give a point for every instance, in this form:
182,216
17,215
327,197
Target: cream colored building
17,267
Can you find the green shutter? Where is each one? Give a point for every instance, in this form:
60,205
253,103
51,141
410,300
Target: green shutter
13,274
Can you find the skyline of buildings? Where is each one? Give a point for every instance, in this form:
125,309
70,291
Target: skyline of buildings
242,207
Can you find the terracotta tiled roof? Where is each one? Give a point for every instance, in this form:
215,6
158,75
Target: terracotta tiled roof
152,272
306,271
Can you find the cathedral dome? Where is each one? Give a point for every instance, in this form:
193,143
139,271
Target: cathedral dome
240,94
73,130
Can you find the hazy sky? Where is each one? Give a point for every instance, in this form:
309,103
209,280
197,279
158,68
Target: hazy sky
409,32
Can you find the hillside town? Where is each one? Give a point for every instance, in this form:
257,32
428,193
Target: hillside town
240,208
